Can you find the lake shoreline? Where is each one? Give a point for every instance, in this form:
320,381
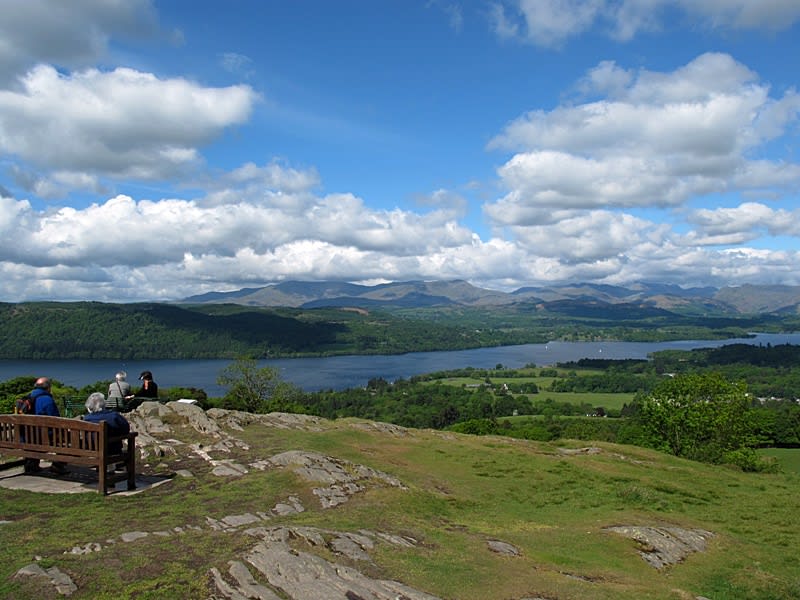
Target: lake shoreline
348,371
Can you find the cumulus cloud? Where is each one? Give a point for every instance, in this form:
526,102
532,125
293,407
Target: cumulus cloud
588,236
550,23
742,223
604,188
249,240
273,184
67,34
118,124
658,139
124,249
647,143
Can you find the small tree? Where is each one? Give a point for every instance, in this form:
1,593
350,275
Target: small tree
250,387
286,397
698,416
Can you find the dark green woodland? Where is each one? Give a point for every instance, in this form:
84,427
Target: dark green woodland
64,330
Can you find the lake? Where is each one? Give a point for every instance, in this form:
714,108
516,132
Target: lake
341,372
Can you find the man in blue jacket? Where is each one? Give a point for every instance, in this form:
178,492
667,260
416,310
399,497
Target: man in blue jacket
43,405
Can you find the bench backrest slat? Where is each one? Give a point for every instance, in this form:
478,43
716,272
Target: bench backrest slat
71,437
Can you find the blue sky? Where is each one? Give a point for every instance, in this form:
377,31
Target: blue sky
155,150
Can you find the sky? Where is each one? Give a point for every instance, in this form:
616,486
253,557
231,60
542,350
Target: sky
150,150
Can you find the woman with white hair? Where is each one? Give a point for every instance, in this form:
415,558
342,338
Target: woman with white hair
97,413
118,390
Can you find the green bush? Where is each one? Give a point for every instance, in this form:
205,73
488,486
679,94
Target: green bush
747,459
7,405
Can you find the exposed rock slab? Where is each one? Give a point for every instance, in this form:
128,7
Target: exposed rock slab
664,546
503,547
343,478
62,583
282,572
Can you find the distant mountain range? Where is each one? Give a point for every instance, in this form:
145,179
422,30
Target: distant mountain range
745,299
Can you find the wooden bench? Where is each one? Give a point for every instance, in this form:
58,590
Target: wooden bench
71,441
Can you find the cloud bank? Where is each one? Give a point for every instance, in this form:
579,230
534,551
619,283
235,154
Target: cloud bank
604,188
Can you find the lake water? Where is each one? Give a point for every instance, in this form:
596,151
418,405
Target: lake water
341,372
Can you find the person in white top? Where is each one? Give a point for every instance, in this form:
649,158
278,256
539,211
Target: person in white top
118,390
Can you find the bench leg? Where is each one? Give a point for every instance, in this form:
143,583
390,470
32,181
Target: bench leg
130,463
101,479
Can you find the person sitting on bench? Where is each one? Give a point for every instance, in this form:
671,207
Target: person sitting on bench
97,413
43,405
118,390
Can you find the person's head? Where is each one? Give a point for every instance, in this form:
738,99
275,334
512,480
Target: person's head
146,376
42,383
121,375
95,402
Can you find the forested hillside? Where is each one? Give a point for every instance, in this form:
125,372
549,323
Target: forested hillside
50,330
94,330
53,330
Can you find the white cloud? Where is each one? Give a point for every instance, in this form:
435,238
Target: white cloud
745,14
550,23
124,250
599,190
546,23
118,124
588,236
742,223
307,235
663,138
697,109
656,141
559,180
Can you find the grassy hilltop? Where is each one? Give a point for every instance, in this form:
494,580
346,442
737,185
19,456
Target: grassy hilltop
453,516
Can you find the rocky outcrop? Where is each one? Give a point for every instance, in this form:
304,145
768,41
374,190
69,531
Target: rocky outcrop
664,546
342,477
300,575
279,570
62,583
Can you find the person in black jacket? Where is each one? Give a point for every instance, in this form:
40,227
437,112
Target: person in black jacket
149,387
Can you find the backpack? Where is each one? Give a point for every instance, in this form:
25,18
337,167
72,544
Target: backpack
26,405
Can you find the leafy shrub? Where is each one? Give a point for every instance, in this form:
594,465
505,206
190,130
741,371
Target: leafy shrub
7,405
747,459
476,427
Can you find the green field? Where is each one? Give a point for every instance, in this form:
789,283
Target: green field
607,401
610,402
788,458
